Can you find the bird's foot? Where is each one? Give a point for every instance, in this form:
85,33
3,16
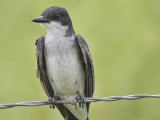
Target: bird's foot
81,99
50,101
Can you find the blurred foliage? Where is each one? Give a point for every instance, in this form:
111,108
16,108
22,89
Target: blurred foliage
124,38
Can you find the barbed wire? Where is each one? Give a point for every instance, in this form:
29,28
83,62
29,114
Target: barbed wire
74,101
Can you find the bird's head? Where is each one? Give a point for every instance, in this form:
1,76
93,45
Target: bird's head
55,19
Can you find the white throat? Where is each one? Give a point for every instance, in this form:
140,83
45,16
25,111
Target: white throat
55,29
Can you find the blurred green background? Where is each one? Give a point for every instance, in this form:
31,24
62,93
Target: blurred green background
124,39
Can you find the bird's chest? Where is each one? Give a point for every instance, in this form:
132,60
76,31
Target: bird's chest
63,65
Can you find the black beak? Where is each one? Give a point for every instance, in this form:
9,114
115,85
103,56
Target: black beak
41,19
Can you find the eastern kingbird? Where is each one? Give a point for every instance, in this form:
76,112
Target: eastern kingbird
64,63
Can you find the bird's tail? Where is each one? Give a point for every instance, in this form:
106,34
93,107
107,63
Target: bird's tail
67,115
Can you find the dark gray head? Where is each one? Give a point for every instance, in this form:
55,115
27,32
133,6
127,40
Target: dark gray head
54,15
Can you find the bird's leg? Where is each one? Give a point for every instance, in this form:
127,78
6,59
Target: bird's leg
50,101
80,99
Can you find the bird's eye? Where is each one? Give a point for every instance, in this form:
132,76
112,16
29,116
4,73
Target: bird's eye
56,16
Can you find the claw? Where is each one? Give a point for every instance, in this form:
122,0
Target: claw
50,101
81,100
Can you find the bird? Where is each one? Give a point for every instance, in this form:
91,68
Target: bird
64,63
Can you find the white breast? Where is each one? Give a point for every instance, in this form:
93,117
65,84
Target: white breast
64,68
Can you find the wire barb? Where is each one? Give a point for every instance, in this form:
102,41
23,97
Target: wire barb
73,101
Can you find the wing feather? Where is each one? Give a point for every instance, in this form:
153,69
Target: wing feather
88,67
41,67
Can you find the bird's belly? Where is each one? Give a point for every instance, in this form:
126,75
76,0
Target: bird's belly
65,73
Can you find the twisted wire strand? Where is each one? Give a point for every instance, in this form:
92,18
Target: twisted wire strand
74,101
